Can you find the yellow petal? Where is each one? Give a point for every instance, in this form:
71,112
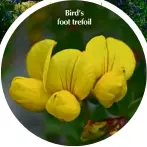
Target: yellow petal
59,74
63,105
71,70
29,93
84,76
120,55
111,88
122,93
37,56
96,47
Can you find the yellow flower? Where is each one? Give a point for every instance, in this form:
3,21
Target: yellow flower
69,76
21,7
114,64
58,83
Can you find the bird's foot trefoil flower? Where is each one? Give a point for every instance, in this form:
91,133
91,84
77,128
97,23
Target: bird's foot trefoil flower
60,82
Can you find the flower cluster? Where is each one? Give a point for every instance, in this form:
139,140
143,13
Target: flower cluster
21,7
61,82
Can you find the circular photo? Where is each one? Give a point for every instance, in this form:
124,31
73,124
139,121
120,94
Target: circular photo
73,73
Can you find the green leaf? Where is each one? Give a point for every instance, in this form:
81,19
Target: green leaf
52,125
133,107
75,128
55,128
115,109
99,114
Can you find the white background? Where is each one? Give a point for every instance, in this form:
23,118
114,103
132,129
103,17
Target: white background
12,133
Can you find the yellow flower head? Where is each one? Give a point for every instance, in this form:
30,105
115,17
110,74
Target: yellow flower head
69,76
58,75
57,83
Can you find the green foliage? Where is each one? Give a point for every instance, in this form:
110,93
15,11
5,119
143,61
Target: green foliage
133,107
136,9
6,17
71,131
9,11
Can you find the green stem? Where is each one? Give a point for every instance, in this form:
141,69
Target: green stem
85,109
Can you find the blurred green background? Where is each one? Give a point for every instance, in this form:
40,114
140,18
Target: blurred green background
43,24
